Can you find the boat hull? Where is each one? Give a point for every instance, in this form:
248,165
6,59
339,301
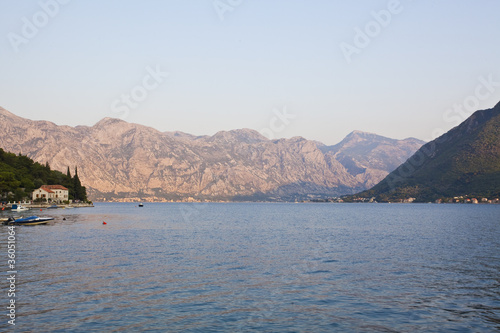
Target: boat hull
29,223
32,220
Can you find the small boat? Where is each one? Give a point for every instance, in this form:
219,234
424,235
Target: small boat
141,205
19,208
52,207
32,220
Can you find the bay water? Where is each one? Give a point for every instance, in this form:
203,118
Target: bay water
262,267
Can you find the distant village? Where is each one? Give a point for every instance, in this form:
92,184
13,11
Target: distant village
458,200
462,199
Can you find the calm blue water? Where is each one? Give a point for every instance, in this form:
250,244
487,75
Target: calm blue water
260,267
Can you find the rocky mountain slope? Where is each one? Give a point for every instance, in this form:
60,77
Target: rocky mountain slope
368,156
117,159
464,161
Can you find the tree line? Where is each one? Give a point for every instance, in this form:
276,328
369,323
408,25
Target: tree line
20,176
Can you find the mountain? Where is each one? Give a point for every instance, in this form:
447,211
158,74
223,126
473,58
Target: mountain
368,157
117,159
463,161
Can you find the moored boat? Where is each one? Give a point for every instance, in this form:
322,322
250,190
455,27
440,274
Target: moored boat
31,220
19,208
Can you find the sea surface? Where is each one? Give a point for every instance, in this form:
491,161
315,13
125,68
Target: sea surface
258,267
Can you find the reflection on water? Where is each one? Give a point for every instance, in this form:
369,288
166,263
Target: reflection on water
262,267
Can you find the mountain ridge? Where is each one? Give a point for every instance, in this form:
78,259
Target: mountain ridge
119,159
464,161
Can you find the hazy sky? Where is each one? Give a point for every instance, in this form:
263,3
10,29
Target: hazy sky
318,69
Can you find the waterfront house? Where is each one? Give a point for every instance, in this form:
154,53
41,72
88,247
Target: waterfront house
52,193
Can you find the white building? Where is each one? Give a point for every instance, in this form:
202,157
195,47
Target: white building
53,193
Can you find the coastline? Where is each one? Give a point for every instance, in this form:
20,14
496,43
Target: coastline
47,205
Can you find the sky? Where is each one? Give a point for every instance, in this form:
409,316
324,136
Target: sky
317,69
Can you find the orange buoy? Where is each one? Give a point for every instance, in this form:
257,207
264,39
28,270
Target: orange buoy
104,222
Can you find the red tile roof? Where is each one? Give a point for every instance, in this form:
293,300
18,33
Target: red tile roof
49,188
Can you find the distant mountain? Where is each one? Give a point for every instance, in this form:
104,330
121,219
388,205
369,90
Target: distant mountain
464,161
369,157
117,159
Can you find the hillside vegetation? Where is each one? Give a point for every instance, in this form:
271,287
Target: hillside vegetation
463,162
20,175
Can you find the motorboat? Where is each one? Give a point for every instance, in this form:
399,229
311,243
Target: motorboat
141,205
19,208
31,220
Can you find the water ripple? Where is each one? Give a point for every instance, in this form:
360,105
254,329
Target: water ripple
261,267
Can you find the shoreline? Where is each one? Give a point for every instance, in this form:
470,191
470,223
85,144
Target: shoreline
45,205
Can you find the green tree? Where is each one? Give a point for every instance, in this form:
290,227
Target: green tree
20,175
37,183
80,192
27,184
